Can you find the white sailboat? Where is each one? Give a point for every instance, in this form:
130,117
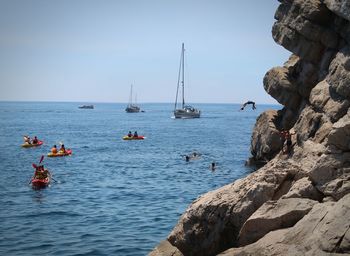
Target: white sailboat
132,107
186,111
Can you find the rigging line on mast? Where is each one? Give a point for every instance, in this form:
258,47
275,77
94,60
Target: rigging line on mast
178,82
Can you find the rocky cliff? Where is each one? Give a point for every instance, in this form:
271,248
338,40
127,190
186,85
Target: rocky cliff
298,203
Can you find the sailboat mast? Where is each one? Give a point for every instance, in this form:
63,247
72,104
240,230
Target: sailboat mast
130,97
183,75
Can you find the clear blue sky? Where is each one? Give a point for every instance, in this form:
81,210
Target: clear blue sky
92,50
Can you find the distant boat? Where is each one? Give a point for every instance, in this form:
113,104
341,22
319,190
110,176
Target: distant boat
186,111
132,108
87,106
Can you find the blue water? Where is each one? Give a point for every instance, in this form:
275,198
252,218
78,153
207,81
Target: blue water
111,197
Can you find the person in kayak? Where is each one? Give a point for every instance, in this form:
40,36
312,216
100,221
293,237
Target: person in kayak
135,134
35,140
26,139
54,149
41,173
62,149
129,134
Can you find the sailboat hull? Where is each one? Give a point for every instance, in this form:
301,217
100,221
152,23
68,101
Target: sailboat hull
187,113
132,109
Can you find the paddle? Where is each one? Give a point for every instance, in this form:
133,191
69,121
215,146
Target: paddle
41,159
53,178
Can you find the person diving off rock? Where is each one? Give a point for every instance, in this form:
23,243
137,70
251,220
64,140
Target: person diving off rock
249,102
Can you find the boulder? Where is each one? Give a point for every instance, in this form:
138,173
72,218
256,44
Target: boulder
322,100
165,249
324,230
303,188
266,140
282,87
274,215
339,75
339,136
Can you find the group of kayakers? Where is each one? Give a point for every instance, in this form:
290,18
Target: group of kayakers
131,135
29,141
61,151
42,176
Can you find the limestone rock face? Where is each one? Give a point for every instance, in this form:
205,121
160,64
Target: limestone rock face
165,249
266,139
274,215
322,231
339,136
298,203
303,188
340,7
279,85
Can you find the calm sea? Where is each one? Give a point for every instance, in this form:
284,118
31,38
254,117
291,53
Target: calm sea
111,197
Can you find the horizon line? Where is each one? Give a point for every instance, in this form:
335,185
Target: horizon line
122,102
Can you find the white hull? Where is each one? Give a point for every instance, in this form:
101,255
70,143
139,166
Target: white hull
187,113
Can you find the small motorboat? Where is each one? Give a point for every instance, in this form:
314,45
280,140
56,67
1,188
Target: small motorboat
87,107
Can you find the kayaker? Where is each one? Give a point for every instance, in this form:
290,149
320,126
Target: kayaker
41,173
35,140
129,134
135,134
54,149
62,149
26,139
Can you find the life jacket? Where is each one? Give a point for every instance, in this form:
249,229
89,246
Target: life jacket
54,150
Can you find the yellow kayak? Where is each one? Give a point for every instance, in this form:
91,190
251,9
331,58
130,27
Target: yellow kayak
67,153
27,145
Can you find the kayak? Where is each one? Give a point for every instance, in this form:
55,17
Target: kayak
67,153
40,183
140,137
26,145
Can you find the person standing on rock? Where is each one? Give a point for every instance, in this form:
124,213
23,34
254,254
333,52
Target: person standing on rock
283,139
286,139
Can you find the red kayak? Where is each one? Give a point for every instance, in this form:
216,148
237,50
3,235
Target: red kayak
140,137
40,183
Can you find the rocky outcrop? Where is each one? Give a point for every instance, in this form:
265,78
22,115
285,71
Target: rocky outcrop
266,140
298,203
273,215
213,221
324,231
